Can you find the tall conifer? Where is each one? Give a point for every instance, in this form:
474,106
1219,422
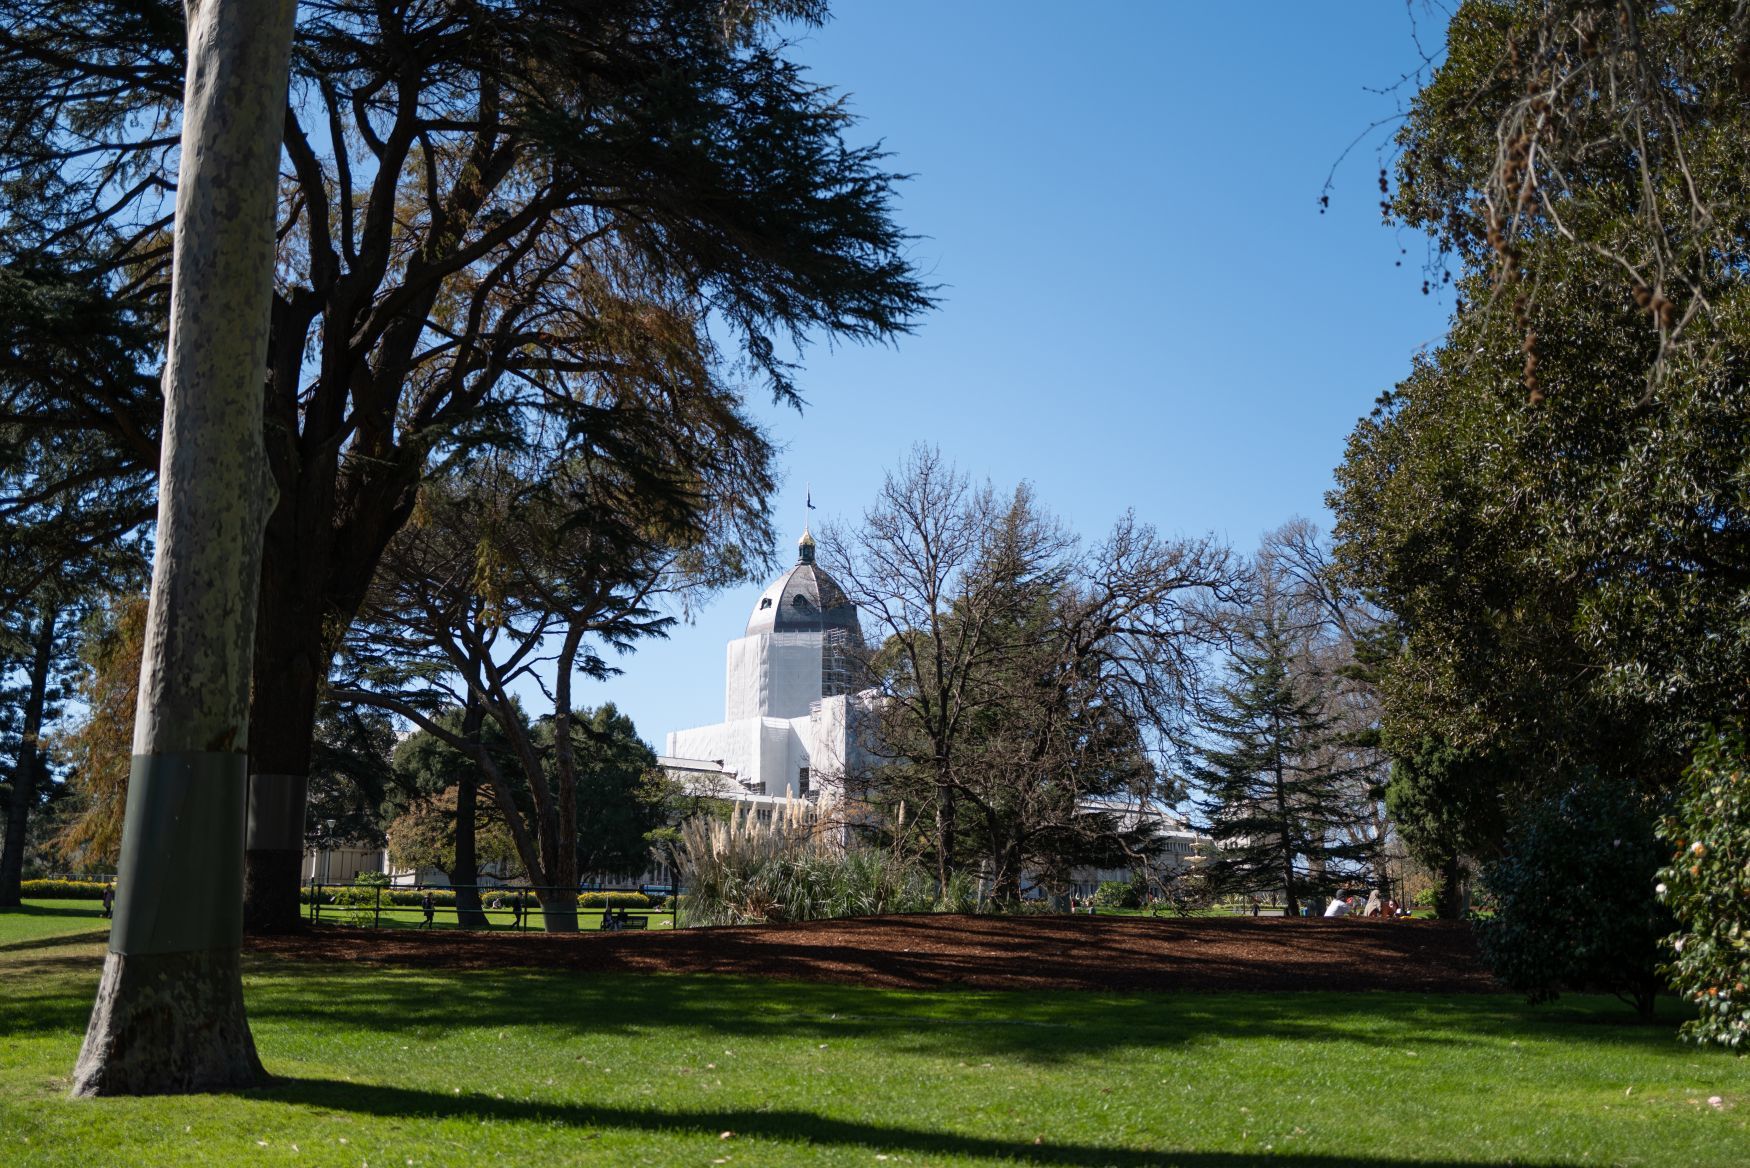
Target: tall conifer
1271,767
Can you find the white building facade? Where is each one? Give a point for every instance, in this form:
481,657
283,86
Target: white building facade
788,709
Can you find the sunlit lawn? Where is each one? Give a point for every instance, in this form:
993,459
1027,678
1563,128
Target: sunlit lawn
444,917
532,1067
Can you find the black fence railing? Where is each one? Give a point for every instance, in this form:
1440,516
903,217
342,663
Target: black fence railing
502,907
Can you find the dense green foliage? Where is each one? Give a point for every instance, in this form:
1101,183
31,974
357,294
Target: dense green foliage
1707,886
1553,504
622,798
1575,906
532,1066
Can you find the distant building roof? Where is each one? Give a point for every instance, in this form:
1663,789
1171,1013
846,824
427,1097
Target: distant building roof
803,600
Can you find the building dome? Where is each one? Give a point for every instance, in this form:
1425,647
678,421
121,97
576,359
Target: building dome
804,600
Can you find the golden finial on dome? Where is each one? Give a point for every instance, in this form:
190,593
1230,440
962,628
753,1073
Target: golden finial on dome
805,547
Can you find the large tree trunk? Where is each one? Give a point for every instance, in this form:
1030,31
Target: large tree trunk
290,661
945,841
169,1013
30,756
465,876
558,909
1454,896
316,571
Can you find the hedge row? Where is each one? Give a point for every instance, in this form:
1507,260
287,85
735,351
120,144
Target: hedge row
357,895
62,889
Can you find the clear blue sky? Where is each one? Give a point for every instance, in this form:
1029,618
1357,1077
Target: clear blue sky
1141,304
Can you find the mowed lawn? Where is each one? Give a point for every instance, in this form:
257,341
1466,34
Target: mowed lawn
444,917
394,1067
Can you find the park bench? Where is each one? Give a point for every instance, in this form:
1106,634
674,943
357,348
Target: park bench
614,920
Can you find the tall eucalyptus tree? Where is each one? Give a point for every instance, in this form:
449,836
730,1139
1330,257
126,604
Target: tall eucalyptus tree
169,1014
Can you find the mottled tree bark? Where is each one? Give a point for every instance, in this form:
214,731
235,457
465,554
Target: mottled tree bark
169,1014
30,760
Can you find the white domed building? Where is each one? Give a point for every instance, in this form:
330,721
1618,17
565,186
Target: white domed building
788,705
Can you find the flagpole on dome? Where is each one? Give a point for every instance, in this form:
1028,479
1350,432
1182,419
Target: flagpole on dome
805,545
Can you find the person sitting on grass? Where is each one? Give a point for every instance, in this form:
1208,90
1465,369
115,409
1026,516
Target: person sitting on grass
1339,906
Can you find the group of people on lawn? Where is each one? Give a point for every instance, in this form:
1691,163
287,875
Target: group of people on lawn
1343,905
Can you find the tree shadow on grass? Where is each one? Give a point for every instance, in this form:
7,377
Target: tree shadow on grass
798,1127
1041,1027
92,937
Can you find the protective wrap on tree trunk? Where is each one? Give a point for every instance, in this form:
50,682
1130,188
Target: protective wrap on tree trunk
184,864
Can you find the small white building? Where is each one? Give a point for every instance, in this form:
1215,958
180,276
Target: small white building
788,709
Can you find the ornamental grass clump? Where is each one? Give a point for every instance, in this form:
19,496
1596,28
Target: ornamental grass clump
1707,886
790,867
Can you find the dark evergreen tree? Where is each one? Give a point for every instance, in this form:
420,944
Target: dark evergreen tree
620,802
1269,771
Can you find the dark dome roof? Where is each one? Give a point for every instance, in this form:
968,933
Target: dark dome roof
803,600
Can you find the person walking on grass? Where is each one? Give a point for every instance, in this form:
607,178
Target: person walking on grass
108,901
428,906
516,911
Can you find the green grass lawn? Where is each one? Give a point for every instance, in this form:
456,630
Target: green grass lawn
394,1067
445,918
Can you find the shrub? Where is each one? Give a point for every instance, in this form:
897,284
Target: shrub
358,903
1707,887
1575,903
1118,894
745,870
613,900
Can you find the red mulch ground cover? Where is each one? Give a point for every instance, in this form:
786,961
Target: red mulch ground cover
983,952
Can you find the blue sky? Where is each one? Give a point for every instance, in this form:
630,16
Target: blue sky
1141,304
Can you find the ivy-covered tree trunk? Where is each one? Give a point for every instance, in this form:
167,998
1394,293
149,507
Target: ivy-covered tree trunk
30,756
169,1013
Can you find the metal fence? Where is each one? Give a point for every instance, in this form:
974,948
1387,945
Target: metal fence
503,907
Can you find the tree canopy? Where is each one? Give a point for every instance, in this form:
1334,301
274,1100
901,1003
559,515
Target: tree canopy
493,216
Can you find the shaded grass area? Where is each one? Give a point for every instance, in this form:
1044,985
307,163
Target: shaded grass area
386,1066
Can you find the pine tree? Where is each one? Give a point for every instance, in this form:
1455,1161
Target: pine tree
1271,767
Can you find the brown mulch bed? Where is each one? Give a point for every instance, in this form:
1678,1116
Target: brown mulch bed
982,952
